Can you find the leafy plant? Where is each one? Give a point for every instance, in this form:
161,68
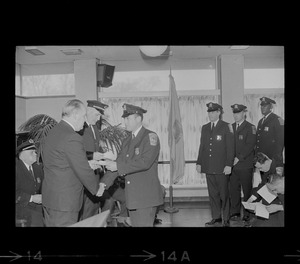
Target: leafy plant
39,126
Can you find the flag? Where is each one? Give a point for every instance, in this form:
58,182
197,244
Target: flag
175,139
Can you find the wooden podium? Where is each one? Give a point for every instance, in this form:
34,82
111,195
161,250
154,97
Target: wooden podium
98,220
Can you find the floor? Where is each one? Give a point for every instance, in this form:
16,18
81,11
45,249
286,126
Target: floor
189,214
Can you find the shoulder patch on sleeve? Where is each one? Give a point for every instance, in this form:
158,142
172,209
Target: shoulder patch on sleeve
281,121
253,130
230,128
153,139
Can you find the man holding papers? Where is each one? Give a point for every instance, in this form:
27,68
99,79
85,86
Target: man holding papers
268,203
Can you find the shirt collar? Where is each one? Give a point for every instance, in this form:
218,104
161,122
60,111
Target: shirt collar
266,115
241,122
69,123
27,166
137,131
215,122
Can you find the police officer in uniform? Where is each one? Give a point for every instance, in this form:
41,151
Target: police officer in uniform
91,143
270,133
215,159
29,177
242,172
137,162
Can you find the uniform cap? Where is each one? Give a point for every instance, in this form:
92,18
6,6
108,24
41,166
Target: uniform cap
213,107
236,108
265,101
97,105
129,109
27,145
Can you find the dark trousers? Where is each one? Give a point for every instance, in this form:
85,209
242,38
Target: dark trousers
240,178
218,191
90,206
54,218
142,217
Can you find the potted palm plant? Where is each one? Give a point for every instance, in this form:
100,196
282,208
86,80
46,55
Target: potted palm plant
38,126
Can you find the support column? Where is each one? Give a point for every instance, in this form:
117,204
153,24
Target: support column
231,83
85,72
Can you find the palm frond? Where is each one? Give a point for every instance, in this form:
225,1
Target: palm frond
38,127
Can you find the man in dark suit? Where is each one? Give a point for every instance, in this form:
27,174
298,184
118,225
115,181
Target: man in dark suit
66,168
215,159
242,172
29,177
137,162
270,133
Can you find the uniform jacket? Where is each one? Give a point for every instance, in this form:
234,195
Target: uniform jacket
26,186
244,144
91,144
270,138
66,170
138,160
216,149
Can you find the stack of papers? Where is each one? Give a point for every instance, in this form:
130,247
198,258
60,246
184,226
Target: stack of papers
259,208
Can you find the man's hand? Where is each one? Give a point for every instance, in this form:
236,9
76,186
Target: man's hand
36,198
272,208
109,155
111,165
101,189
279,170
198,168
227,170
98,156
94,164
251,199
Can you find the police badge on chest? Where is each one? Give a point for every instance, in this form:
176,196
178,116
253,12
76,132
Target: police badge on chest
137,151
266,129
219,137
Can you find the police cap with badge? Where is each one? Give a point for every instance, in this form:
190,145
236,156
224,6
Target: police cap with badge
129,109
97,105
214,107
265,101
26,145
237,108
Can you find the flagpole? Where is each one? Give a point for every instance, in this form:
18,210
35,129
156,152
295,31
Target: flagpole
170,209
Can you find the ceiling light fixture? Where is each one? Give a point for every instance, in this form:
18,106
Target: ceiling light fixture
34,51
72,52
153,51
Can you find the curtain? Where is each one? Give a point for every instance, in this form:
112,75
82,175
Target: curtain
193,115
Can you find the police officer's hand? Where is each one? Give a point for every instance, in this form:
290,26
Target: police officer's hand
101,189
227,170
36,198
198,168
236,160
279,170
272,208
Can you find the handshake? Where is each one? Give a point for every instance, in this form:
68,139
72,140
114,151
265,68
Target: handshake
103,159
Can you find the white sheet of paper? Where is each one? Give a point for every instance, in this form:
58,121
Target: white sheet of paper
256,178
266,194
260,210
249,206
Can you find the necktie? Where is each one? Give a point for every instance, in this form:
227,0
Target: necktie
263,120
212,127
31,172
133,136
237,127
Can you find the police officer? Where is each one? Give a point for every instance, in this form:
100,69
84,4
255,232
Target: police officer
91,143
137,162
215,158
270,133
29,177
242,172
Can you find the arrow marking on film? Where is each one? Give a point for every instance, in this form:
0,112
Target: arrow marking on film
15,257
149,256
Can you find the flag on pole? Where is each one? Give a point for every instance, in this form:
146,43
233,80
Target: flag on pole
175,140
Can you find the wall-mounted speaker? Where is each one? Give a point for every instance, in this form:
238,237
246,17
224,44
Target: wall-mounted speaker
105,75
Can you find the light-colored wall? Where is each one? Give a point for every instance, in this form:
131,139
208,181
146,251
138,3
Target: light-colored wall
20,108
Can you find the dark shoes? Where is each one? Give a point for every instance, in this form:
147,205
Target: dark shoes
157,221
214,223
